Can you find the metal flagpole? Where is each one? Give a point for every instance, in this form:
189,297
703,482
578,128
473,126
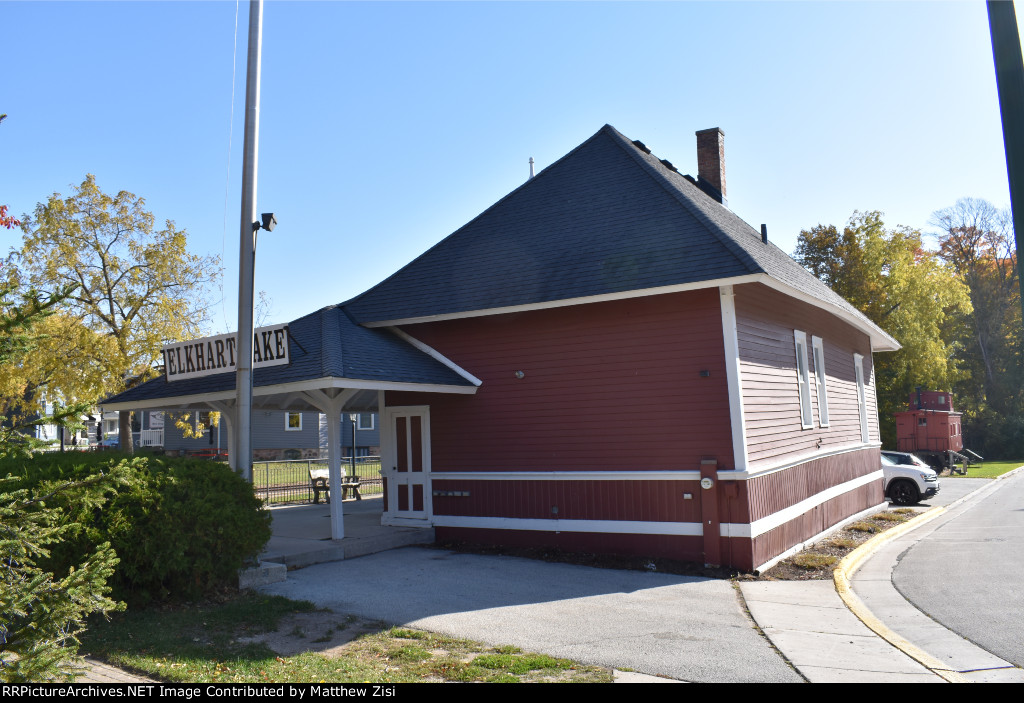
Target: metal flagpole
247,253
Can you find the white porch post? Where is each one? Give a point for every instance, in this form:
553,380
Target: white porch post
227,414
334,467
331,407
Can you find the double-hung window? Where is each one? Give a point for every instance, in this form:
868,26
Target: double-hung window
862,400
803,379
819,377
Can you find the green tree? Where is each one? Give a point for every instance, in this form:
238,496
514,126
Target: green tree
903,288
976,239
136,285
41,614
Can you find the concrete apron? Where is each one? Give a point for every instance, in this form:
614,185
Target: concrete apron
301,536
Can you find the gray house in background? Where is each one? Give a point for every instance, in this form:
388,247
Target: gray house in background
275,434
367,434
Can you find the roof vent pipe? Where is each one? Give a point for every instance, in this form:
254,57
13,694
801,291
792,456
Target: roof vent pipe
764,233
531,169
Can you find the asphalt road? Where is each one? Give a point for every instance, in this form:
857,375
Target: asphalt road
968,573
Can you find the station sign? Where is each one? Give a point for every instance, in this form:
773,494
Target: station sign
218,354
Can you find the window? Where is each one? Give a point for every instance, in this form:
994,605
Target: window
365,421
862,400
819,375
803,379
203,418
292,422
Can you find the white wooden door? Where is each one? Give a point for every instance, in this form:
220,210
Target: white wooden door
407,467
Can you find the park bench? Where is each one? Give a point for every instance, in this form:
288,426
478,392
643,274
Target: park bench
319,481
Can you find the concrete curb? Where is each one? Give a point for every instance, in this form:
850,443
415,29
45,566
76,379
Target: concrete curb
849,565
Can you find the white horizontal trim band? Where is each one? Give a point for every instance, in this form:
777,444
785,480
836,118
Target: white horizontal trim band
640,527
619,475
627,527
770,522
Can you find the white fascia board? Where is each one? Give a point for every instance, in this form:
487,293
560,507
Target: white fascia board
770,522
178,402
880,339
620,527
734,381
433,353
585,300
334,382
596,475
184,401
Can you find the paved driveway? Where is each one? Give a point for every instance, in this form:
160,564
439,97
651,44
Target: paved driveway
686,628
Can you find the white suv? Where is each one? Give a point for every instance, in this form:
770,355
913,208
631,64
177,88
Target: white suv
908,480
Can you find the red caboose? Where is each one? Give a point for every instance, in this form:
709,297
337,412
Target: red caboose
931,428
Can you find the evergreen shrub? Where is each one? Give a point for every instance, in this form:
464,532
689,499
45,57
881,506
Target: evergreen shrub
180,527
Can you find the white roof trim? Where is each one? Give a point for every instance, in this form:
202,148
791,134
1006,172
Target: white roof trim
182,401
880,339
433,353
624,295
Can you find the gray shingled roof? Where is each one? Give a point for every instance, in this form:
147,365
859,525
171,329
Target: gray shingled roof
324,344
606,218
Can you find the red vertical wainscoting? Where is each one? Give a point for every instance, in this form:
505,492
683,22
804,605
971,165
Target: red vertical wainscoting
770,493
619,386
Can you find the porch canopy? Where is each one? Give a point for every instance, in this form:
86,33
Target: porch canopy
336,367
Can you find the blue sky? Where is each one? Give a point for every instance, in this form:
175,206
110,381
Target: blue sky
385,126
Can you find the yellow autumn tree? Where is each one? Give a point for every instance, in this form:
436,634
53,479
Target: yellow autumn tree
137,288
905,289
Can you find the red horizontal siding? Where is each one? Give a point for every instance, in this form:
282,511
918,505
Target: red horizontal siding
664,546
656,501
614,385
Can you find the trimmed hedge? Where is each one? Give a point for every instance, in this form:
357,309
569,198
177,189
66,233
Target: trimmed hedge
180,527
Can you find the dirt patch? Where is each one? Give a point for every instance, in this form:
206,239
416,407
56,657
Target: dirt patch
817,562
321,631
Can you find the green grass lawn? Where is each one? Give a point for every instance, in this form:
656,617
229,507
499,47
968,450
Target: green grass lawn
231,642
990,469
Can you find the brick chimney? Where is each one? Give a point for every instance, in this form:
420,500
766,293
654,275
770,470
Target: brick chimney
711,162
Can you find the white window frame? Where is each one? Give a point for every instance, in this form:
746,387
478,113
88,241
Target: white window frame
862,398
359,421
818,352
803,379
198,419
288,425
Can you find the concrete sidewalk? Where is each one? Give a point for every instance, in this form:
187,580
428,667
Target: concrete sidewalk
662,627
820,627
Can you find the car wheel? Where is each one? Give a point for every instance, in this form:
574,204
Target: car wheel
904,493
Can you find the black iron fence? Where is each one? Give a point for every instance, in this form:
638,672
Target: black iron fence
288,481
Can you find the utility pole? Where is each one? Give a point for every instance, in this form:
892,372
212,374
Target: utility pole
1006,54
247,252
